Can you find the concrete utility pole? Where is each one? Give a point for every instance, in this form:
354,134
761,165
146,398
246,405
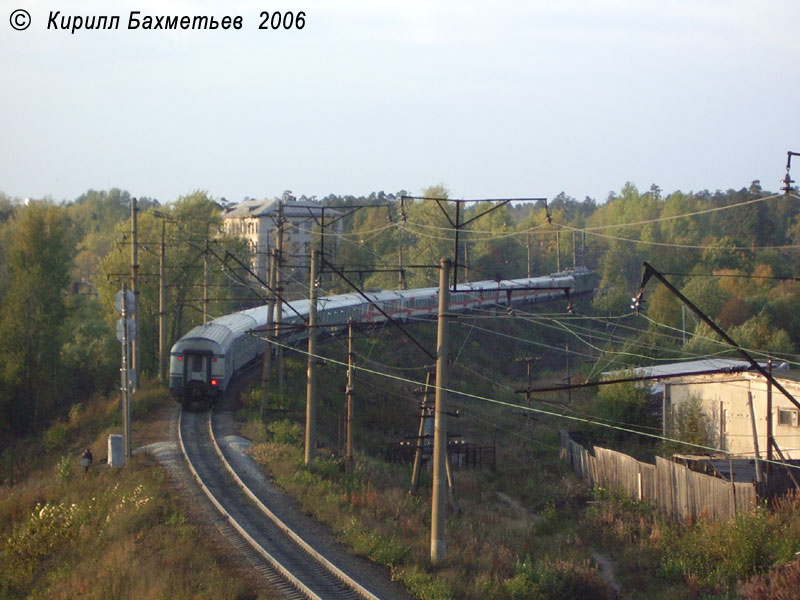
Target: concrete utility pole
440,421
574,251
401,274
529,255
205,280
311,370
266,366
162,313
349,395
279,290
134,288
770,438
755,435
466,262
528,360
558,250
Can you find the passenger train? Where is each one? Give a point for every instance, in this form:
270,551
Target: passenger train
205,360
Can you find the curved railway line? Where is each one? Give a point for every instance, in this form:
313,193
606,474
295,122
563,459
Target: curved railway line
297,556
261,518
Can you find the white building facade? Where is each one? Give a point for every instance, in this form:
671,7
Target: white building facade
256,221
735,405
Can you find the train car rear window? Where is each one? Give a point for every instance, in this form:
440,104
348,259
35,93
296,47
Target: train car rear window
197,363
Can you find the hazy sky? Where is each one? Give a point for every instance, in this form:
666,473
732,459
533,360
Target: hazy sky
493,99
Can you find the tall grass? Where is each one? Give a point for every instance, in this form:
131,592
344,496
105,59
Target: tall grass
741,557
372,512
109,533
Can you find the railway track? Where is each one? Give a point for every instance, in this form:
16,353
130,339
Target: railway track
289,561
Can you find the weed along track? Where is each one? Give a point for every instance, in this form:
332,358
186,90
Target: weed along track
260,517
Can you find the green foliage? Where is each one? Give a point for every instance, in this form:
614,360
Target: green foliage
422,584
368,541
721,553
65,469
147,398
55,438
32,313
761,332
286,432
691,424
622,404
192,220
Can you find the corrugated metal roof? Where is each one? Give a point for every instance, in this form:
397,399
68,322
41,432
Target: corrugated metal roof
705,364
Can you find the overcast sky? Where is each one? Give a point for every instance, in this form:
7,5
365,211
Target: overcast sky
492,99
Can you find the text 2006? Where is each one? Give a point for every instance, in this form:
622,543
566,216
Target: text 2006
282,20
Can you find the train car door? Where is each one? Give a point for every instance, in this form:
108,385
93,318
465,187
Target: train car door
197,368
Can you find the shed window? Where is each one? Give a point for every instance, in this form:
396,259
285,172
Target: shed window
787,416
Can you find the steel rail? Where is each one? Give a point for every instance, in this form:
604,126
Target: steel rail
294,581
329,566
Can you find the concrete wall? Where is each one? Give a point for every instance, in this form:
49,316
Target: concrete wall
726,400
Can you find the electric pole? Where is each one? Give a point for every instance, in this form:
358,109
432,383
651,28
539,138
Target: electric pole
574,250
558,251
440,421
205,280
528,360
162,313
279,290
529,255
134,288
401,274
349,396
311,374
266,366
770,439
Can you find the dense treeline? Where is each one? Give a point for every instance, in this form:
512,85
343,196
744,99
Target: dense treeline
62,263
734,255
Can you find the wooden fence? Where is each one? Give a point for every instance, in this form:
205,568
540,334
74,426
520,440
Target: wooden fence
680,492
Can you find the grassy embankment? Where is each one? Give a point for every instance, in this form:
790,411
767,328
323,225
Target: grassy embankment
528,530
109,533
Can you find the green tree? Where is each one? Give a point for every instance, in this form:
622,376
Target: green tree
193,221
690,423
95,215
495,251
622,404
32,314
430,235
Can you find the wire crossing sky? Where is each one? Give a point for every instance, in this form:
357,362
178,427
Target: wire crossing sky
492,99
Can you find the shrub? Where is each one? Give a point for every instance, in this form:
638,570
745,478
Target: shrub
622,403
286,432
690,424
55,437
64,469
75,414
718,553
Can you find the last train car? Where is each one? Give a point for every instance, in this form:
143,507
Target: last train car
203,362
